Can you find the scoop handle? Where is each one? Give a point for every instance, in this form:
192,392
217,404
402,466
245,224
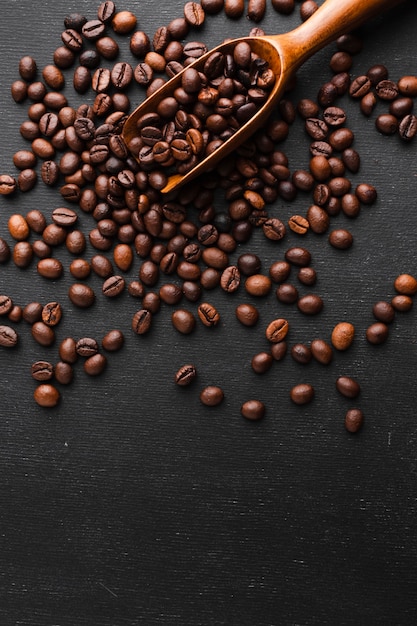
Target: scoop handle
332,19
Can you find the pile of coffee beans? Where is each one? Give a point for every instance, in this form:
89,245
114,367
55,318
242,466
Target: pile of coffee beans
184,246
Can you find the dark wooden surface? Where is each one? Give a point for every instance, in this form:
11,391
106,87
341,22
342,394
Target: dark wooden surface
131,503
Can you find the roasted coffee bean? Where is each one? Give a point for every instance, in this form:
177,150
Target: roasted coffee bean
247,314
407,128
86,346
386,123
6,304
208,314
42,371
95,365
360,86
286,293
8,336
405,284
258,285
22,254
194,14
354,420
142,321
310,304
341,238
52,313
68,350
298,224
262,362
113,286
343,335
50,268
46,395
32,312
253,410
63,373
301,353
277,330
185,375
348,386
302,393
18,227
307,276
81,295
113,340
402,303
8,184
230,279
298,256
366,193
279,271
321,351
64,217
43,334
248,264
377,333
384,311
212,395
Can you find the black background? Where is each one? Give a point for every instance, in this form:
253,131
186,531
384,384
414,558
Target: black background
131,503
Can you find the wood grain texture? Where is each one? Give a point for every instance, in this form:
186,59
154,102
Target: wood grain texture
130,503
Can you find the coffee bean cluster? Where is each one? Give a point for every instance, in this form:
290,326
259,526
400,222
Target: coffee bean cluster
185,247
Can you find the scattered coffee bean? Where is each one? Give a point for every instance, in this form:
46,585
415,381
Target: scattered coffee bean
185,375
212,395
253,410
302,393
353,420
46,395
343,335
347,386
8,337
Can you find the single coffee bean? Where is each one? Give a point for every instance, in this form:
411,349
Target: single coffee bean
86,346
307,276
113,340
95,365
142,321
341,239
384,311
377,333
8,336
342,335
405,284
113,286
63,373
262,362
253,410
18,227
258,285
347,386
43,334
52,313
402,303
407,128
81,295
310,304
354,420
183,321
42,371
5,252
185,375
46,395
68,350
279,271
286,293
50,268
6,304
407,86
247,314
230,279
208,314
298,256
212,395
301,353
321,351
277,330
302,393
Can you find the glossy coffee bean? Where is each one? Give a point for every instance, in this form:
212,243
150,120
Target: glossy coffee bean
185,375
46,395
302,393
81,295
354,419
253,410
212,395
342,335
347,386
377,333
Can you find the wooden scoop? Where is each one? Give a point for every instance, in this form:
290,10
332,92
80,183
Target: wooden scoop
285,54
